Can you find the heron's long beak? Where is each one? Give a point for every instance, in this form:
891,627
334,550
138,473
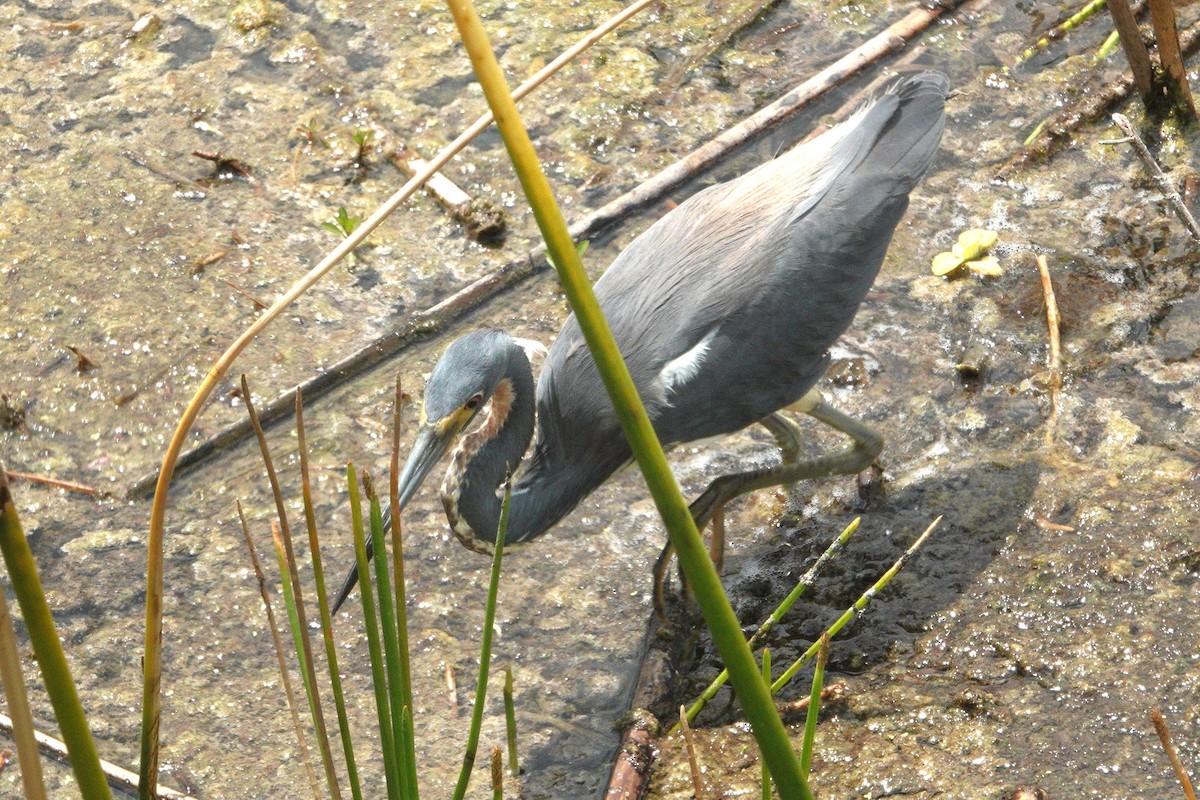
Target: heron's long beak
432,443
433,440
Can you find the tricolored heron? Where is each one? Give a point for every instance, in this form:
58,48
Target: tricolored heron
724,310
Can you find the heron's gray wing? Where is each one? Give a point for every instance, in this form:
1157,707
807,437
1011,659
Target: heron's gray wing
697,267
714,294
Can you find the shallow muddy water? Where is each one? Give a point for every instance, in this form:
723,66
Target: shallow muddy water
1022,646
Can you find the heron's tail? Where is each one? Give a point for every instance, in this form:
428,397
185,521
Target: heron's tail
909,140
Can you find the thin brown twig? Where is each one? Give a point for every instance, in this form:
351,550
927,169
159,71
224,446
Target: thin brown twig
832,693
13,681
223,163
1125,20
435,318
199,264
451,687
1053,324
259,305
1164,182
57,483
1164,735
715,41
484,220
1046,524
1166,37
175,177
289,693
690,746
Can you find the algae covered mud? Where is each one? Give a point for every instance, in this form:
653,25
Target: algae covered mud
1024,647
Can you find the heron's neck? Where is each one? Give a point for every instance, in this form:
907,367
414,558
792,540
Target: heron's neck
471,492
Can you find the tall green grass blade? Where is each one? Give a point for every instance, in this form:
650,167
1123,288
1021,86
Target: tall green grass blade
802,585
510,724
331,660
374,647
814,704
56,675
391,644
281,660
755,696
485,650
410,750
766,771
28,760
297,630
408,742
290,570
861,603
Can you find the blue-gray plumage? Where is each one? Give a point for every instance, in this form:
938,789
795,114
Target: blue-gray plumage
724,311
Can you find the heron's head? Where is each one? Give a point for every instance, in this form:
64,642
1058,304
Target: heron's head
461,383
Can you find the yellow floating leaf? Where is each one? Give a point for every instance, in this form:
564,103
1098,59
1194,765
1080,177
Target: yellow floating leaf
987,266
974,243
946,263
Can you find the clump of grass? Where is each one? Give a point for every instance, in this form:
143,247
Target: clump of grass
384,612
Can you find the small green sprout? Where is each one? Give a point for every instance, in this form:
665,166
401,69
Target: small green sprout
343,224
363,139
969,251
310,132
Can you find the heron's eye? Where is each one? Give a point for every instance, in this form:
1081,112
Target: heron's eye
474,402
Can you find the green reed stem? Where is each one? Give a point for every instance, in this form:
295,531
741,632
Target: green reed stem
280,659
861,603
1106,49
28,759
47,648
766,771
391,643
374,647
291,576
693,558
485,649
802,585
814,704
408,742
510,724
1055,33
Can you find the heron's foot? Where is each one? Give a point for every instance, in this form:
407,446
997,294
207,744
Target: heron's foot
865,445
